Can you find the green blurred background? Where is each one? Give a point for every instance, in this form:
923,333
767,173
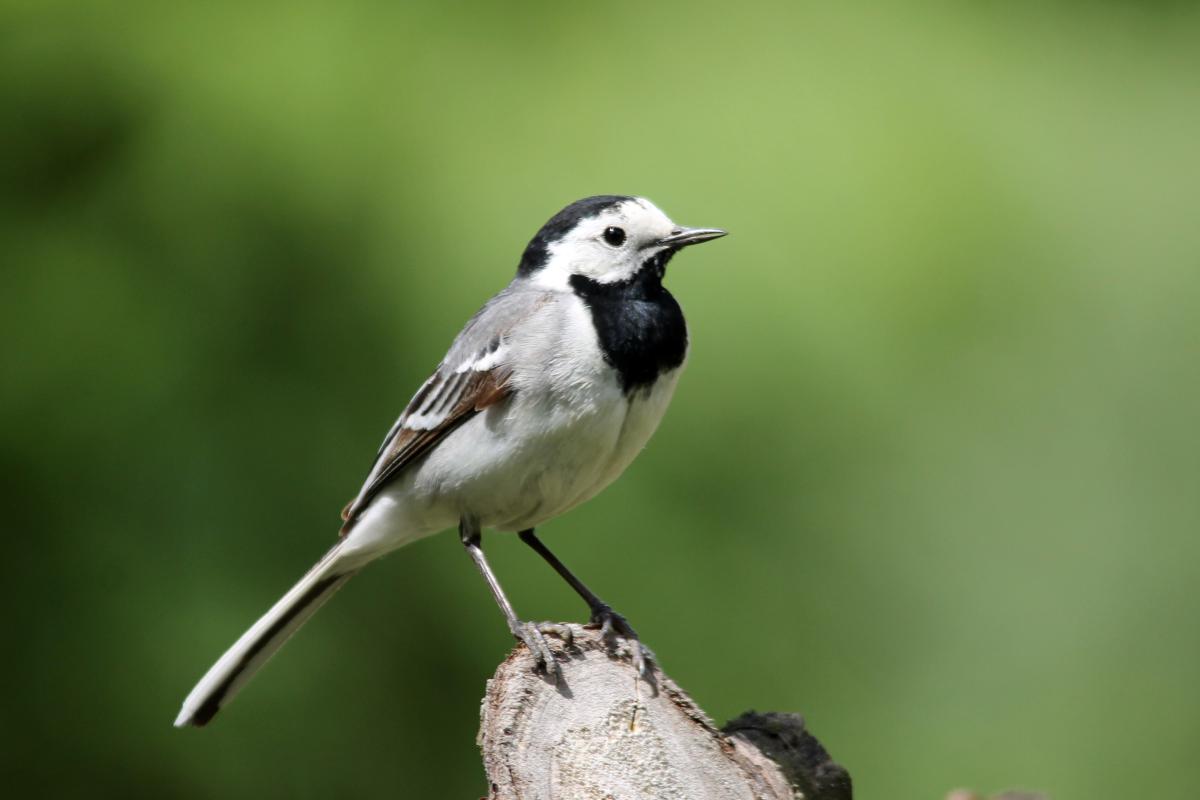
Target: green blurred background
931,476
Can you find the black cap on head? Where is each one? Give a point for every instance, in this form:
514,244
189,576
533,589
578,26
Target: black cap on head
537,251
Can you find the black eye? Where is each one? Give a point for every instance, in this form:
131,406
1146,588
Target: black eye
614,236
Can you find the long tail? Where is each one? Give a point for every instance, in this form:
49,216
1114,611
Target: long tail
249,653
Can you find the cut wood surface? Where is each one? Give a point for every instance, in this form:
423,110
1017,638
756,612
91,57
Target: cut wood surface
604,733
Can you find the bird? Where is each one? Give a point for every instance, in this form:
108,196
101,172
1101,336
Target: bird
543,399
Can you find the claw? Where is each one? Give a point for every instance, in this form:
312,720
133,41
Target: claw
532,634
566,633
614,628
643,660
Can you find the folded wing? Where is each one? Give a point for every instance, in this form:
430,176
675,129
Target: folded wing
474,375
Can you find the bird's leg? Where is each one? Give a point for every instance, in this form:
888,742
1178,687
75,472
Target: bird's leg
528,632
612,624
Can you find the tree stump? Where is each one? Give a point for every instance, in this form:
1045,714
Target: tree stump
604,733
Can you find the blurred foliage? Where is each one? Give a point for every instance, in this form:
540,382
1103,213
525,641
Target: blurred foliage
931,477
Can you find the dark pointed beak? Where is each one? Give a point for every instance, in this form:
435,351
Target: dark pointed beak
682,237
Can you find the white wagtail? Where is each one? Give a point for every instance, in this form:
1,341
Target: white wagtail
544,398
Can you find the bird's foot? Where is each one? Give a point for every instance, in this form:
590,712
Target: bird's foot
533,635
613,628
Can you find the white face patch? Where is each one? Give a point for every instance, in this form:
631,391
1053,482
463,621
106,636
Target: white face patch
586,250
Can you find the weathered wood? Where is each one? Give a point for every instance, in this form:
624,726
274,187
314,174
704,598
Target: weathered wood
603,733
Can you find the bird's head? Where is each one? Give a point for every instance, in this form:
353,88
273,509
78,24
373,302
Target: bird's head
606,239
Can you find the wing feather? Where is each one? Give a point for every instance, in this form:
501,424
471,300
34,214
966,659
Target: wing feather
457,397
474,375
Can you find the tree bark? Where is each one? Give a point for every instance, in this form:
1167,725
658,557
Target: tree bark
604,733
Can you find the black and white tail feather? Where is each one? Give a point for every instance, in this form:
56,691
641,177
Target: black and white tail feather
264,638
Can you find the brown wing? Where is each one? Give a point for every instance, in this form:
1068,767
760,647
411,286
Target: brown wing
446,401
